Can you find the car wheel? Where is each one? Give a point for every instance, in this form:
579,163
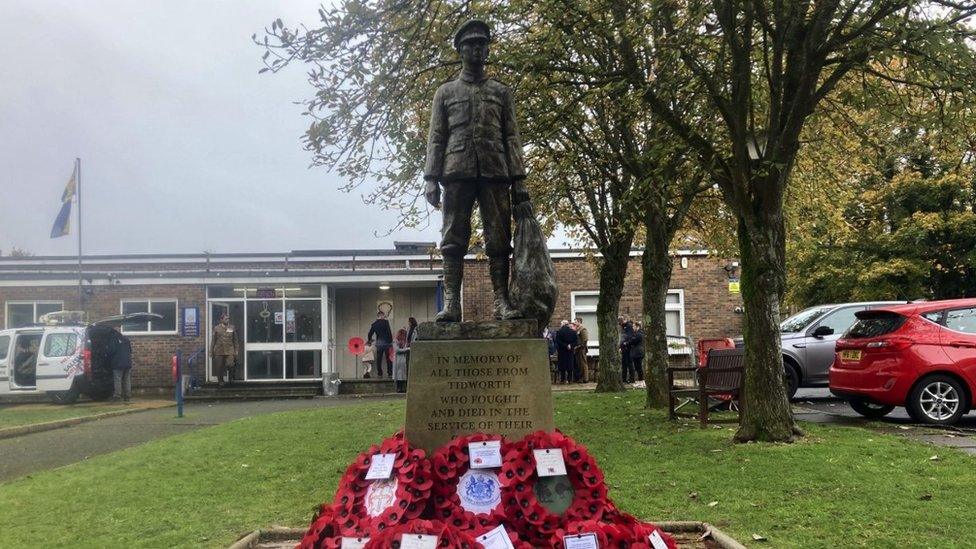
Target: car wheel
791,379
870,409
938,400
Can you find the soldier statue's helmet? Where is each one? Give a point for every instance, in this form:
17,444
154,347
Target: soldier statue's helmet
474,28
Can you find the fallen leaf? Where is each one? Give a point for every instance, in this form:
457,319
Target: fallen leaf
904,427
934,458
712,503
757,537
926,497
693,495
705,535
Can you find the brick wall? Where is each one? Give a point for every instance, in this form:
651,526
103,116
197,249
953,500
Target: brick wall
150,353
709,307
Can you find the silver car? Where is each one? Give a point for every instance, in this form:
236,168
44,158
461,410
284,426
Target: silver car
808,340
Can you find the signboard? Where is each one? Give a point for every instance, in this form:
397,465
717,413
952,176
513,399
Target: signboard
190,325
266,293
734,286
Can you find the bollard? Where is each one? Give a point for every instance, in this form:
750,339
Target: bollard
178,378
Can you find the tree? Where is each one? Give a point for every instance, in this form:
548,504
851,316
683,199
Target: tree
594,155
766,68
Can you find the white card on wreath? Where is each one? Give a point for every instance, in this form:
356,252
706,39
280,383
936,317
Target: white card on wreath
581,541
353,543
381,466
549,462
496,538
486,454
418,541
657,542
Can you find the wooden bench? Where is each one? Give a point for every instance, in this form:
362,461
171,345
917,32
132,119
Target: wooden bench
719,379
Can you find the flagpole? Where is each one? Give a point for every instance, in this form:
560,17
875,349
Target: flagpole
81,298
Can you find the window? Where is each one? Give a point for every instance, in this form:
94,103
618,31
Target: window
25,313
841,319
60,345
584,307
961,320
163,307
4,347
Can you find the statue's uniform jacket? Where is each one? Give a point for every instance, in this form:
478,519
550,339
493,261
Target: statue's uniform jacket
474,151
473,133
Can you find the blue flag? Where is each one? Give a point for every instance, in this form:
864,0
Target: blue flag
62,223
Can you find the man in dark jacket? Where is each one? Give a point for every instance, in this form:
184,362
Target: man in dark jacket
626,364
637,351
122,369
566,341
384,338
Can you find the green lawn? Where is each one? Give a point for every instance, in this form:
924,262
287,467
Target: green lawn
25,414
840,487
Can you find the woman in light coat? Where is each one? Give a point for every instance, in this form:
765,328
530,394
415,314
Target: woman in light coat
401,347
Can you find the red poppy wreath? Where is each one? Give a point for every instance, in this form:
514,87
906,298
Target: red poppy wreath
372,505
536,506
323,529
447,535
627,531
467,497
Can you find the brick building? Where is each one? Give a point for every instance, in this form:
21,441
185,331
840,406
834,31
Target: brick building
296,311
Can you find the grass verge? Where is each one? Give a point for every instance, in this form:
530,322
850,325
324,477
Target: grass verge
840,486
25,414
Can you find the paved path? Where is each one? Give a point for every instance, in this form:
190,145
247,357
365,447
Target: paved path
819,406
40,451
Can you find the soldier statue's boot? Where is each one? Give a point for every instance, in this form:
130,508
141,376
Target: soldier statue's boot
453,274
498,268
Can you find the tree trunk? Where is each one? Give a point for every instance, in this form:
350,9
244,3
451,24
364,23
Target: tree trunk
613,268
656,266
765,413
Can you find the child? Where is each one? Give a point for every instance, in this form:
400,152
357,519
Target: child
368,357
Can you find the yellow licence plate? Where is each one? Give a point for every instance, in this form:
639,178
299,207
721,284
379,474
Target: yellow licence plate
850,355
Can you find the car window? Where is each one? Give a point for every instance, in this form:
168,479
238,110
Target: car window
799,321
841,319
961,320
60,345
934,316
4,346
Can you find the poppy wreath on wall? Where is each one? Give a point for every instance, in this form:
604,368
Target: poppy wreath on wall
465,497
371,506
580,495
447,535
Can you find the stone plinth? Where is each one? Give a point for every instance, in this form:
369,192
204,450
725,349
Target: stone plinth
460,387
492,329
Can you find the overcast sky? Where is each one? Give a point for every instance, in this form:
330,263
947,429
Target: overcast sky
184,147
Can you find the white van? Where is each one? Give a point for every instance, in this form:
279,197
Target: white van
62,356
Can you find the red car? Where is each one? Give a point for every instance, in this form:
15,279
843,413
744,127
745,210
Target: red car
920,355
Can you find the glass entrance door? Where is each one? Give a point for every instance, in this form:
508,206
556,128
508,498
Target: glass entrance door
282,335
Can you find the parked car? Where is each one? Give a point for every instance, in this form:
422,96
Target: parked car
921,356
62,357
808,338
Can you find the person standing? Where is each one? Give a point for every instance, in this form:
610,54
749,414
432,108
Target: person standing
626,365
637,351
566,342
122,370
223,349
401,346
384,338
582,336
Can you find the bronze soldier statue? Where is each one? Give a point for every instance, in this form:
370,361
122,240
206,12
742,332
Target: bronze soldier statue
474,153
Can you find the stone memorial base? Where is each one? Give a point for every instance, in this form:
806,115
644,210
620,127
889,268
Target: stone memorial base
469,377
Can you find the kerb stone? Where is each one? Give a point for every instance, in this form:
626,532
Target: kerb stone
499,386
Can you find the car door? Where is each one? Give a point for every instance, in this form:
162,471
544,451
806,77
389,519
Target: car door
818,352
5,341
959,340
59,350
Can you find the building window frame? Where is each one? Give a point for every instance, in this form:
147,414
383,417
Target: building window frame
33,303
149,303
593,344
